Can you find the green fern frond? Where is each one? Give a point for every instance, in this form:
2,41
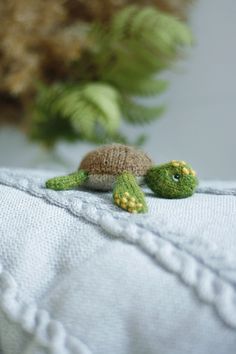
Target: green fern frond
139,43
105,100
139,114
120,24
132,63
145,87
150,27
49,131
86,109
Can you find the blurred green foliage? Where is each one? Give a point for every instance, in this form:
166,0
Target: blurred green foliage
122,63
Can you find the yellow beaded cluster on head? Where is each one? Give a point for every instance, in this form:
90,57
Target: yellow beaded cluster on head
185,169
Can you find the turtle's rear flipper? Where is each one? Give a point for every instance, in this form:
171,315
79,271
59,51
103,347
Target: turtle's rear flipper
75,179
128,195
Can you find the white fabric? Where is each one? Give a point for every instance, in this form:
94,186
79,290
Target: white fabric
81,276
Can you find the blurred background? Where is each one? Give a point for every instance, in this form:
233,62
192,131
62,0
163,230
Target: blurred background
198,124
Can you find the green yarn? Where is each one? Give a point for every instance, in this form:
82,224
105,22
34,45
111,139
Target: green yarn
172,180
128,195
66,182
117,166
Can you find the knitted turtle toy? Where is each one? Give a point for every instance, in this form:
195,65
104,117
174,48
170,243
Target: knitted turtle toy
122,169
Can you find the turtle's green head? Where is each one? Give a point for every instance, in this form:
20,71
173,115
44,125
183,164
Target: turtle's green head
175,179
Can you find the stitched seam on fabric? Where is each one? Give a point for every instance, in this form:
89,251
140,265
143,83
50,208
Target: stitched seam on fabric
48,333
209,287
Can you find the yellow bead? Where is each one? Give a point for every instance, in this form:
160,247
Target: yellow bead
124,200
132,199
116,196
185,171
131,204
117,200
193,172
183,162
126,194
176,164
139,205
123,206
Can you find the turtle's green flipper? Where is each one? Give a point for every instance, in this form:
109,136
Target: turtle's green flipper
128,195
75,179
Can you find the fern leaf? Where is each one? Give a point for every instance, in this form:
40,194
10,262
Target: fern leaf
82,125
139,43
150,26
49,131
139,114
121,22
83,108
145,87
105,100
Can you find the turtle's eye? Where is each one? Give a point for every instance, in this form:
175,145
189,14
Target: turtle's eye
176,177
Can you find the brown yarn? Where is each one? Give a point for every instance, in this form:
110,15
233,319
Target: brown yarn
116,158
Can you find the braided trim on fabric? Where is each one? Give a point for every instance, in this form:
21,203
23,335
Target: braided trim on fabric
209,285
48,333
206,252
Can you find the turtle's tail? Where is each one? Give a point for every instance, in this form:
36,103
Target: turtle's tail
66,182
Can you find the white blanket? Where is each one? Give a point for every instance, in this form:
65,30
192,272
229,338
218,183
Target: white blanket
78,275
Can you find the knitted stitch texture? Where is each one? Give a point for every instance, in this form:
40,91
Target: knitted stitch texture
115,159
77,272
175,179
128,195
66,182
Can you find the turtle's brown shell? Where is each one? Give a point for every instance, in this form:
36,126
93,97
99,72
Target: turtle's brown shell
115,159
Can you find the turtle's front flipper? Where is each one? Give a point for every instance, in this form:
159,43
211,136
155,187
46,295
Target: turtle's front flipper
66,182
128,195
